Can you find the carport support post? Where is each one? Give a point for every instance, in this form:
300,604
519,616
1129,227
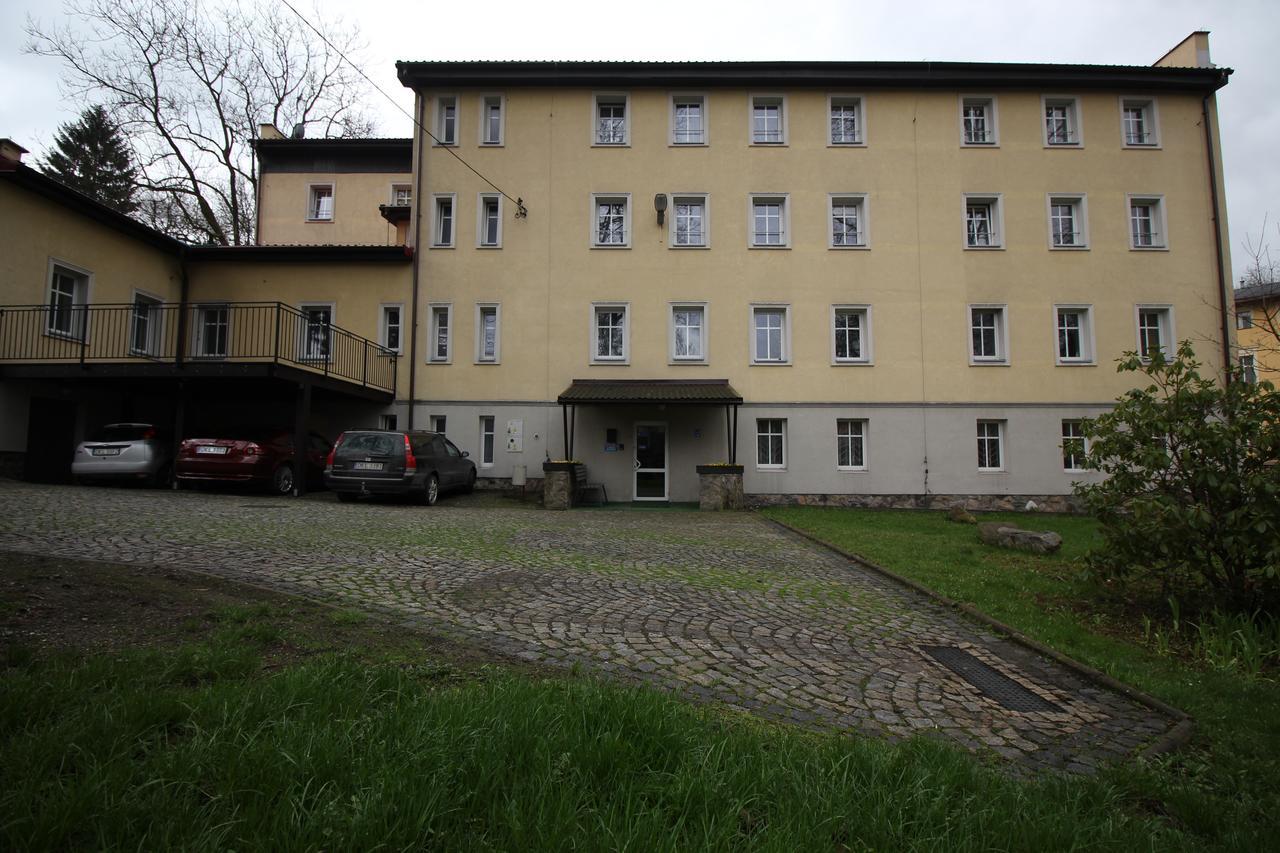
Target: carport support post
733,451
179,427
564,416
300,414
573,427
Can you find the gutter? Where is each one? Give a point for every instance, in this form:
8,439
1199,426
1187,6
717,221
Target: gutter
1217,240
417,254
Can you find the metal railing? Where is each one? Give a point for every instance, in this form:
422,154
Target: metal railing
155,332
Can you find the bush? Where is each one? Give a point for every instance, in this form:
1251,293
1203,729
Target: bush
1191,503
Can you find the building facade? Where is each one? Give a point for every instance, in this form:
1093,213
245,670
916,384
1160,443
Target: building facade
1257,319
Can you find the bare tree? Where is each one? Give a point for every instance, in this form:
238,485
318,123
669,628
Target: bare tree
1263,273
189,83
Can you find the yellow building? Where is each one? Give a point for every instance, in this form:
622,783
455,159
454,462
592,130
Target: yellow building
1258,331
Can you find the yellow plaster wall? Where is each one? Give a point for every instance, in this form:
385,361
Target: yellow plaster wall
1261,341
284,196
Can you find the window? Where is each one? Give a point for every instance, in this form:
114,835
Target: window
488,341
609,324
491,123
770,333
144,325
443,231
982,222
317,336
486,441
978,120
438,423
851,445
987,334
1067,222
1248,369
1138,123
852,329
990,445
489,224
612,223
401,195
688,333
768,120
689,223
611,120
1075,334
1061,123
845,113
320,203
439,348
688,120
1146,222
1154,330
771,443
1244,319
212,326
769,221
447,120
68,293
1075,447
848,221
388,422
390,327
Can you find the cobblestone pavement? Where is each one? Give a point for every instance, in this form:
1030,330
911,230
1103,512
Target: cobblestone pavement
714,606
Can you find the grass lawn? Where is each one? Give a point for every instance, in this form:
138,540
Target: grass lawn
1219,792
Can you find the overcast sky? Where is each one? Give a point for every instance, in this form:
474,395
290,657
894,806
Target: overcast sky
1245,37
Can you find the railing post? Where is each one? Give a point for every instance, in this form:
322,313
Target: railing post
277,341
328,345
84,331
364,378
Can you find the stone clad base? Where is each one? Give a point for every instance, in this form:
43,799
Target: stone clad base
557,489
720,487
972,503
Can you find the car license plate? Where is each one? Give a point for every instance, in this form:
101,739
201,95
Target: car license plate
367,466
106,451
211,450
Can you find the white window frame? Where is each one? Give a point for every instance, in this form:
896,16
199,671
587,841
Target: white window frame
1151,108
1087,348
1084,446
602,98
312,209
438,423
783,199
396,188
995,203
305,353
610,198
441,138
992,115
485,101
679,198
625,357
491,422
858,102
198,329
1159,220
784,344
383,326
1166,327
864,330
1075,130
782,433
856,200
767,99
481,357
81,286
677,98
388,421
672,355
861,437
1000,444
1080,219
1247,362
483,200
155,322
1244,319
433,330
436,220
1001,358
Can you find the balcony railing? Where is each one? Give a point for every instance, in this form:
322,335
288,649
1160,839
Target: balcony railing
213,332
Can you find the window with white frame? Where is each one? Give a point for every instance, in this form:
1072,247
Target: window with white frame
1075,447
489,221
689,225
848,221
1061,122
444,224
486,441
388,422
1067,222
769,334
491,120
317,332
440,348
612,223
852,329
447,120
987,339
688,333
611,120
1075,334
68,293
769,221
771,443
1244,319
1248,368
488,340
1146,222
768,120
609,323
320,203
1138,123
144,325
438,423
978,120
982,222
990,445
212,332
688,120
851,444
845,114
1154,330
401,195
391,326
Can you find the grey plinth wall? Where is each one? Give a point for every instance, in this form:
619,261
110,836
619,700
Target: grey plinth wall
720,487
557,485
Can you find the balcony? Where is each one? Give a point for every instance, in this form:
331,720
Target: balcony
225,339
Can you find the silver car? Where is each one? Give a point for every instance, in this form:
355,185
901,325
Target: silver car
128,452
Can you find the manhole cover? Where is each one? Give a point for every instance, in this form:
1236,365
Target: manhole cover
990,681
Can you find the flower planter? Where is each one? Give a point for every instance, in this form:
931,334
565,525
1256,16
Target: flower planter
720,487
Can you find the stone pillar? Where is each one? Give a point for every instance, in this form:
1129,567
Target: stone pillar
720,487
557,485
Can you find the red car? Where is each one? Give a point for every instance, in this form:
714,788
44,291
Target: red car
258,457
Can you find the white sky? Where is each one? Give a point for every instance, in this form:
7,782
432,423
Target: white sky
1245,36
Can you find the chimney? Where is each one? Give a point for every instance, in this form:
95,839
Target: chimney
11,151
269,131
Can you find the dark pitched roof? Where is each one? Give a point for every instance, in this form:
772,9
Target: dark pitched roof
300,253
389,155
1256,292
618,391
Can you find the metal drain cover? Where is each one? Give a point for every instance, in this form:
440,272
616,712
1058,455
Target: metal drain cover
990,681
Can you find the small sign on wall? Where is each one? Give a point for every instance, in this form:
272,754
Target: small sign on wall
515,436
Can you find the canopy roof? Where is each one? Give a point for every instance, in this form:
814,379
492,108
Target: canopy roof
622,391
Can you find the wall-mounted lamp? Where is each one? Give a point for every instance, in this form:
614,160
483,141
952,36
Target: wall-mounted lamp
660,205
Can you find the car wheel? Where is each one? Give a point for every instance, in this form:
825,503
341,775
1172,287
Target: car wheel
471,483
282,480
431,492
347,497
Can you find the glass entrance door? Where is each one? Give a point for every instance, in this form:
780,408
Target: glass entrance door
651,462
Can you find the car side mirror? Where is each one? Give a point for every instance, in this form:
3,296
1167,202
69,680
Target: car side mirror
466,453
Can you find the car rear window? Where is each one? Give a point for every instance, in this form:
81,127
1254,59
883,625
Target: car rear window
124,432
373,443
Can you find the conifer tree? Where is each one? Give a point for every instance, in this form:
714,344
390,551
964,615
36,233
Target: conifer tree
91,155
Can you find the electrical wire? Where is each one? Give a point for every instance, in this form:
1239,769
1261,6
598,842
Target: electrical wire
518,202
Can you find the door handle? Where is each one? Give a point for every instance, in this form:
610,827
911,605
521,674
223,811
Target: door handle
637,464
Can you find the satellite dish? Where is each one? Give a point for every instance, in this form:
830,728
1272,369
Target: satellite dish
299,131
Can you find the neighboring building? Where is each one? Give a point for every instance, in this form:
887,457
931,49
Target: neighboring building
1257,317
